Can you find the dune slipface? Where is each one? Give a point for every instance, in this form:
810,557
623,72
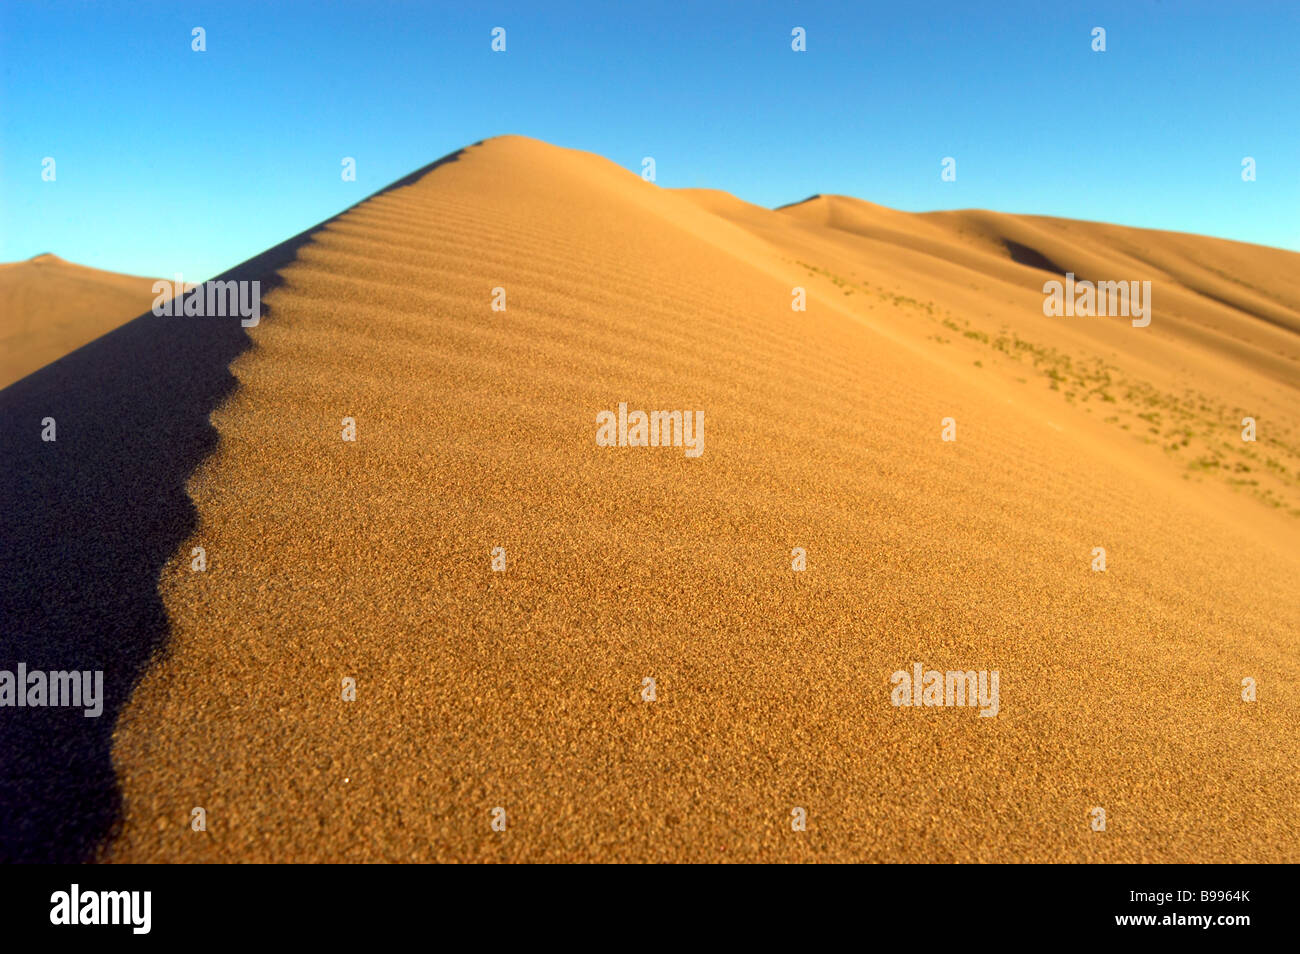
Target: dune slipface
524,689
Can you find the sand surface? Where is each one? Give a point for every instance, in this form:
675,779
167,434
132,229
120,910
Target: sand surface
49,307
522,689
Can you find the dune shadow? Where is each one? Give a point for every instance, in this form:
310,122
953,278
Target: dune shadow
1024,255
791,205
87,522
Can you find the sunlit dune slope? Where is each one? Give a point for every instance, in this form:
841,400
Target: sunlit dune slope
1222,343
522,689
49,307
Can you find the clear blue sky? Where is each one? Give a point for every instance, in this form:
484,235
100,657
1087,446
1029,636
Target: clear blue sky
172,160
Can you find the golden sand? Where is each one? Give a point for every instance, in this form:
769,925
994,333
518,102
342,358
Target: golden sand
49,307
523,689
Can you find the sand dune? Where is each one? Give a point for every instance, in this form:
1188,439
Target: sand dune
49,307
523,689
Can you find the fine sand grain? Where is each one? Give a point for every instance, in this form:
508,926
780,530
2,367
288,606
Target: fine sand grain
522,689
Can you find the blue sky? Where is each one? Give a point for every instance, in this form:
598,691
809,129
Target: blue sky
170,160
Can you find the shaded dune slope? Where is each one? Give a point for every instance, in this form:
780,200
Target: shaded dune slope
521,689
90,521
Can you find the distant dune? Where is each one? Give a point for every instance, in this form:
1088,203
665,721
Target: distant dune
524,689
1225,342
49,307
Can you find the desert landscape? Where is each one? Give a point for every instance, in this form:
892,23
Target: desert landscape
942,457
51,307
